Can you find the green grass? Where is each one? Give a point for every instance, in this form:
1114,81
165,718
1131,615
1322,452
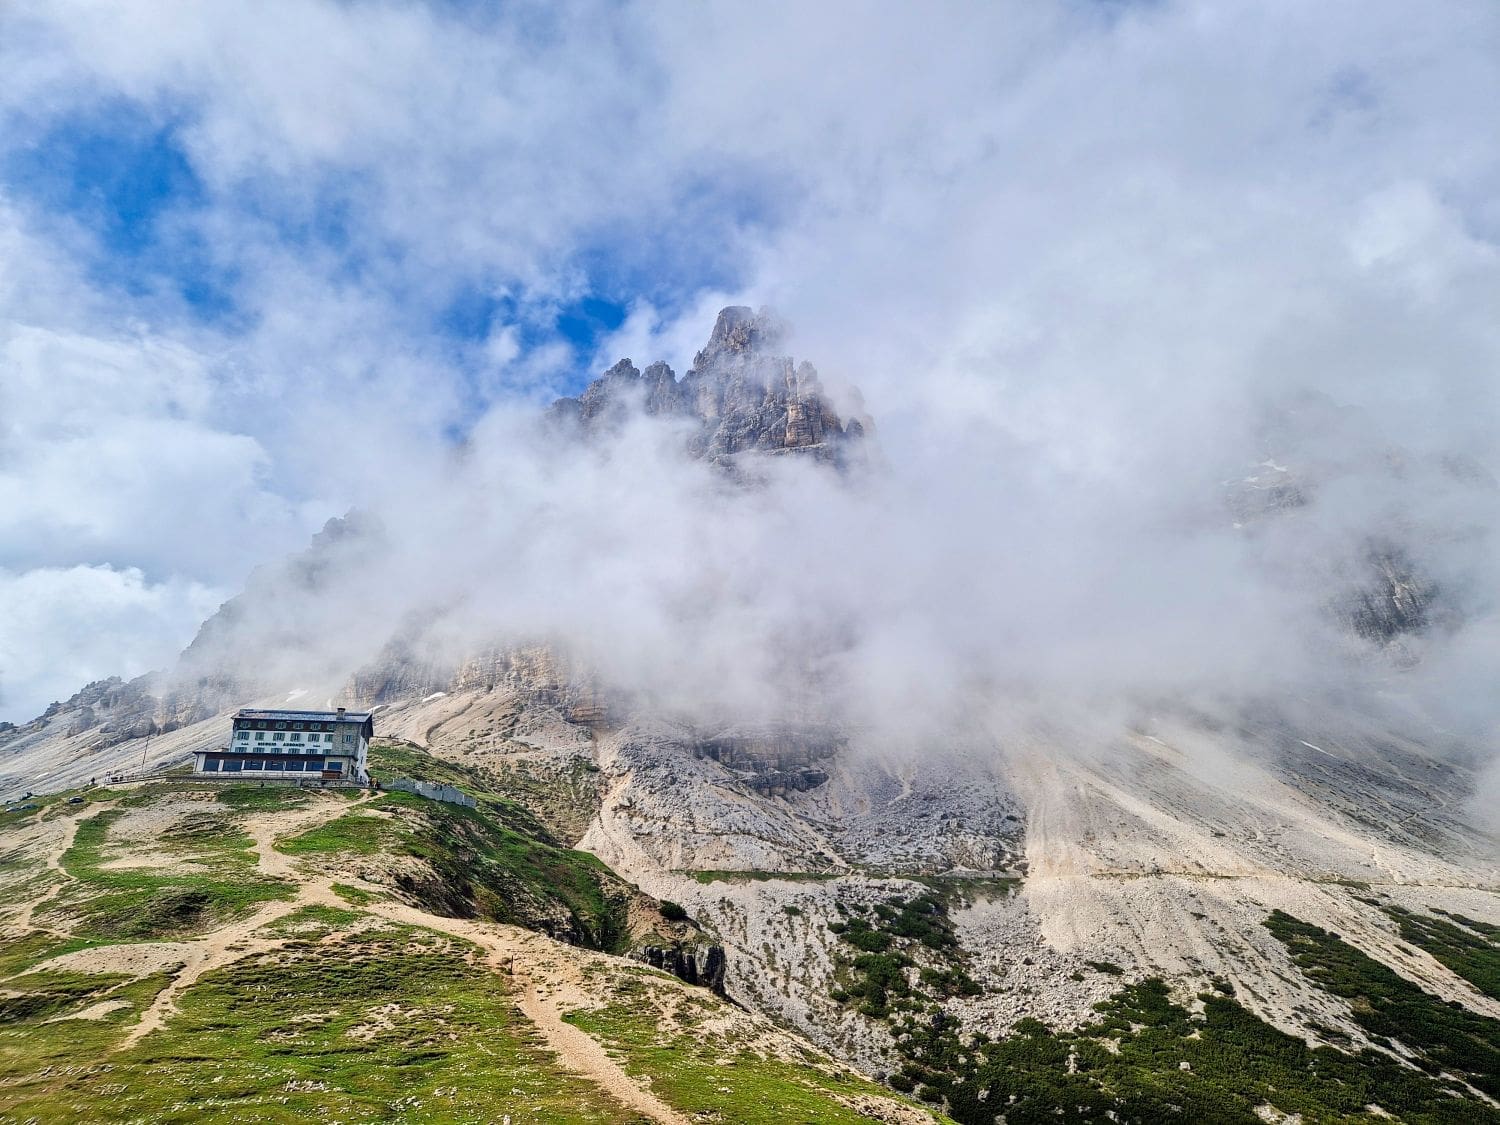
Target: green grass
312,921
39,1040
495,861
355,896
356,833
490,868
707,877
389,760
146,904
394,1026
258,798
708,1076
22,953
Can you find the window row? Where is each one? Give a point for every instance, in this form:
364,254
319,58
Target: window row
214,764
280,736
282,724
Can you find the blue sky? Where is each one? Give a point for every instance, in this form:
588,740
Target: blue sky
122,175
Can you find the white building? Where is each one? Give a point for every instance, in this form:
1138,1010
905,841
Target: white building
323,745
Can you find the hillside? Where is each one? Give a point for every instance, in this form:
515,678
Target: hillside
179,952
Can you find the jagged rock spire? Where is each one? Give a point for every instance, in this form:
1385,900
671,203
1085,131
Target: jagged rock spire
743,394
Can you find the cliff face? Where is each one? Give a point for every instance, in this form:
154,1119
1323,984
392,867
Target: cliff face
740,395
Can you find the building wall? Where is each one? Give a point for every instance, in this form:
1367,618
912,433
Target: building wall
344,743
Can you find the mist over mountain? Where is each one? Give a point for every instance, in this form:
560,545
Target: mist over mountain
906,562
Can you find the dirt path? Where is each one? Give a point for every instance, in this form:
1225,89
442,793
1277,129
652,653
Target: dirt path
548,984
222,947
26,920
229,944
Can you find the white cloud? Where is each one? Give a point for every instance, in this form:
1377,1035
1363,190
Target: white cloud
62,627
1070,253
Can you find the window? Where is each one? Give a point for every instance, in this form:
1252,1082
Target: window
279,737
296,737
281,726
210,765
348,739
296,726
260,736
261,724
243,736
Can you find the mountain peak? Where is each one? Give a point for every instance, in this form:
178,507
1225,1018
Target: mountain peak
742,393
740,330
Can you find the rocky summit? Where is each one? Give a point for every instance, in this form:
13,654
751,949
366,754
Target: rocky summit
739,396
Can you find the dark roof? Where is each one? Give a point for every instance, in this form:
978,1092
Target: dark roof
314,716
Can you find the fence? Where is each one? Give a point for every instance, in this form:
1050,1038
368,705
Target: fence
431,790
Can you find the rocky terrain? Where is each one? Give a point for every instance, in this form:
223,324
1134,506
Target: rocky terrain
739,396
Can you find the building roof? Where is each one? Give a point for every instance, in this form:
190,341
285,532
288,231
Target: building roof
301,716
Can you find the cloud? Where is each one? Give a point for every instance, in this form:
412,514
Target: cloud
1085,263
62,627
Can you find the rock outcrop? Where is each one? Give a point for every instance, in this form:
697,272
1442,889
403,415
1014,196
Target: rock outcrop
741,395
682,962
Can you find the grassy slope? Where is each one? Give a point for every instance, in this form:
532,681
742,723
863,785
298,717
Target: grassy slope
390,1024
495,862
221,883
705,1071
344,1017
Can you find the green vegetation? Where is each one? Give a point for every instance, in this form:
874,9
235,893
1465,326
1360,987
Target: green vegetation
357,833
137,904
563,796
957,890
331,1013
495,861
389,760
708,1075
355,896
672,911
21,954
1147,1058
254,798
1471,949
1447,1036
42,1038
313,921
707,877
900,939
491,867
394,1025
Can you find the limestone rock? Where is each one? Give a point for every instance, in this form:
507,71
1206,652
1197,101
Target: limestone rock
740,394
